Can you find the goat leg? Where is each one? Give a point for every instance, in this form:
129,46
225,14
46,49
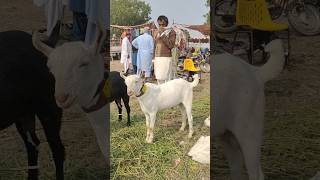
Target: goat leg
151,127
51,128
148,129
31,142
119,105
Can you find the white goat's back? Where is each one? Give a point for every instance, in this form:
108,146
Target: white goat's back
171,94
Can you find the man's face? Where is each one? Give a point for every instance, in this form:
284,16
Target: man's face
162,23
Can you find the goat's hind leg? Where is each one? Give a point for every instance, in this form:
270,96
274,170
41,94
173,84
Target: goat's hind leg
234,156
250,145
188,108
126,100
26,129
184,117
119,105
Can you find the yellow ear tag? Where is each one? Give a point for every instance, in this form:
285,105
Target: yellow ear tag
144,89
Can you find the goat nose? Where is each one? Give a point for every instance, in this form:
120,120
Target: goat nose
129,93
62,97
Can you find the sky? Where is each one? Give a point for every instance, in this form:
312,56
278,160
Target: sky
181,11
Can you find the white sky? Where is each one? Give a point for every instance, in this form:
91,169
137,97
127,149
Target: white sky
181,11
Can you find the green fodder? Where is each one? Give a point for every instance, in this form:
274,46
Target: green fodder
166,158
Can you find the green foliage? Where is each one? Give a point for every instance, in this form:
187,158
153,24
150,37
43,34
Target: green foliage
207,16
129,12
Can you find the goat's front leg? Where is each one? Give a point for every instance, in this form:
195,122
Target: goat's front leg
147,124
151,127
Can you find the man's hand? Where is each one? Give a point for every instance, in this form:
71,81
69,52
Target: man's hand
161,30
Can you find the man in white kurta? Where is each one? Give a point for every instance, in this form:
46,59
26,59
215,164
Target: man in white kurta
144,44
126,50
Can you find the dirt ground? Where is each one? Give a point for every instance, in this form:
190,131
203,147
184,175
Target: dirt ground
291,147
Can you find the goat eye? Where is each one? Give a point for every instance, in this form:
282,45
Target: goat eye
83,65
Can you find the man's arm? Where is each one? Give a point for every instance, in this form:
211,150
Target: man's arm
169,41
135,43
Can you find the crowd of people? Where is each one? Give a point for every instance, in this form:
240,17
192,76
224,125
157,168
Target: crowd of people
150,53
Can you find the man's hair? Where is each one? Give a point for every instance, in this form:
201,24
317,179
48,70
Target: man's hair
164,19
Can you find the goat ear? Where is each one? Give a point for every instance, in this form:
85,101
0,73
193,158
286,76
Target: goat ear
99,40
122,75
40,46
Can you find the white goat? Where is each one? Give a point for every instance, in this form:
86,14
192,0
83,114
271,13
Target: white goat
153,98
238,107
78,70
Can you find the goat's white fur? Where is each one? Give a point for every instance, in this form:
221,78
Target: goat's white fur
78,69
177,92
238,107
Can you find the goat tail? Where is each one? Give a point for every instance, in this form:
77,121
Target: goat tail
275,63
195,81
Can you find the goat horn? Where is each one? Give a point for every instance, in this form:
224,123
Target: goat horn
40,46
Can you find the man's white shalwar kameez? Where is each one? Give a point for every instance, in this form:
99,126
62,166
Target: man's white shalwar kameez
126,50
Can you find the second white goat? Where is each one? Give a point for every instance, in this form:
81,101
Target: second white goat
153,98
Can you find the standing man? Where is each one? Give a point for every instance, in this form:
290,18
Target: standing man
164,41
144,44
126,50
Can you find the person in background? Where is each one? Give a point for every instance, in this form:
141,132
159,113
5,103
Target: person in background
126,50
164,41
134,56
144,44
97,13
80,19
54,15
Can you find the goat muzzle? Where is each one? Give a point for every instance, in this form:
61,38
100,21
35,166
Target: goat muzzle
64,101
62,98
130,93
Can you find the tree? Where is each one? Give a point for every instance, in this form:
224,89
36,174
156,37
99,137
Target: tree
129,12
207,16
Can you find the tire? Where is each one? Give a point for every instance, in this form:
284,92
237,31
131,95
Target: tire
205,67
225,16
309,28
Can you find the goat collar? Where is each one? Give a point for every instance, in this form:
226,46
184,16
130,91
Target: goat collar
103,90
143,90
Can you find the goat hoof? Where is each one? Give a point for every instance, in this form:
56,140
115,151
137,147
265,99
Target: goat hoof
190,135
149,140
181,129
